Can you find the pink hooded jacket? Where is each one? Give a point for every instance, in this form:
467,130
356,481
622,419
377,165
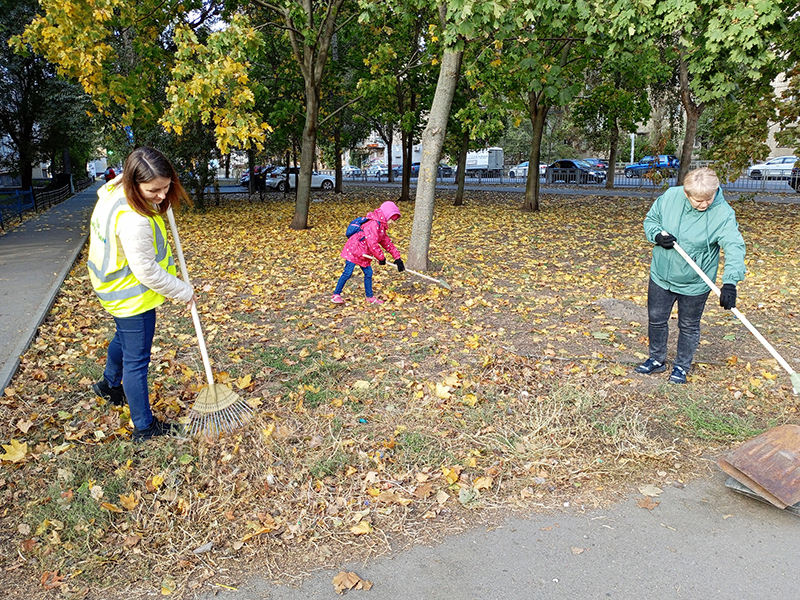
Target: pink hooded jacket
373,238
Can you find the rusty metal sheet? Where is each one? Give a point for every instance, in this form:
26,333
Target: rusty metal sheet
769,464
739,487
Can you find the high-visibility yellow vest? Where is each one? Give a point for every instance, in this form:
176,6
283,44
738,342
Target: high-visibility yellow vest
119,291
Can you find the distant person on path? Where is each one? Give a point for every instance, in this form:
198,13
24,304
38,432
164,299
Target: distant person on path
370,240
109,174
697,217
132,271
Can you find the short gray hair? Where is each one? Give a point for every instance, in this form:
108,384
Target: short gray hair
701,183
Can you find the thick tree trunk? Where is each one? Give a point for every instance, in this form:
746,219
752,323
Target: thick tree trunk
461,175
612,155
538,115
307,150
432,142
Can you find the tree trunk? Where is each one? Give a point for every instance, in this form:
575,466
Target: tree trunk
432,142
251,182
461,175
612,155
408,150
227,166
307,150
337,151
538,115
693,112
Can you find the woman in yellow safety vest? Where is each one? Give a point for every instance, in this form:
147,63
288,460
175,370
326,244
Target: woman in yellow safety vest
132,272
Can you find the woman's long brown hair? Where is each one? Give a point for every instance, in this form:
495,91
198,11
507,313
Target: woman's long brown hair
143,165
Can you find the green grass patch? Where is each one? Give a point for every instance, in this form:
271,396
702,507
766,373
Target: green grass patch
708,424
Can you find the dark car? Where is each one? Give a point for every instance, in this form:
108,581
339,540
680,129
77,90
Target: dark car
794,179
573,170
666,164
597,163
442,171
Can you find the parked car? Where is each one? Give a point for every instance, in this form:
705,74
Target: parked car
378,171
774,168
441,171
521,170
542,169
574,170
597,163
666,164
351,171
277,179
794,178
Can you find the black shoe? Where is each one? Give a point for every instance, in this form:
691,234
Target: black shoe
156,428
115,395
678,375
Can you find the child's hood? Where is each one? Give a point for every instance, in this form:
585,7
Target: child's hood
385,212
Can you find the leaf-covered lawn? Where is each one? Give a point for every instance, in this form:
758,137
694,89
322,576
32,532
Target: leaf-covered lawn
378,426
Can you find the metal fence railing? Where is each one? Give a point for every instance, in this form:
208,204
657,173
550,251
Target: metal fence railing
774,182
15,204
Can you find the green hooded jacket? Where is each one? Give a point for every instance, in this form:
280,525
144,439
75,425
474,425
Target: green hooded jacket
701,234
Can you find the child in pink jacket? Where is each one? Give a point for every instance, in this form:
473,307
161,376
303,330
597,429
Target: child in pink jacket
371,240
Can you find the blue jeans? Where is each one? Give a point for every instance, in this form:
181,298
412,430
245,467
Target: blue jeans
128,361
690,310
348,273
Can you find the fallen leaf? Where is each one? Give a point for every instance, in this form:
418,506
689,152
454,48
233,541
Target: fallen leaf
15,451
577,550
361,528
129,502
647,502
650,490
24,426
111,507
51,580
483,483
345,580
244,382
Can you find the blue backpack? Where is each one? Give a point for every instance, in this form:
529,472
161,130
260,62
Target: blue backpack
355,226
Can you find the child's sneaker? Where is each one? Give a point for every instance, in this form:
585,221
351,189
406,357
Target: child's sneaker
337,299
374,300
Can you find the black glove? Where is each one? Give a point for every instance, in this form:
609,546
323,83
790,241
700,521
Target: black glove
400,266
666,241
382,262
727,296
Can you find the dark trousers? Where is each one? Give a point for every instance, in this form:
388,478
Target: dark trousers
690,310
348,273
128,361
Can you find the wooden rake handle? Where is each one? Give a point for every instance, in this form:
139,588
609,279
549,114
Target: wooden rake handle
195,315
734,310
417,273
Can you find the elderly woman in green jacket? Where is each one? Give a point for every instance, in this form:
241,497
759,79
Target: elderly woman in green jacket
697,217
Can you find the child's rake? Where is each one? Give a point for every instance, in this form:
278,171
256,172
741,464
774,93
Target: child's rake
441,282
217,407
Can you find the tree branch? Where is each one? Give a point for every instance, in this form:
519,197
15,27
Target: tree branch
342,107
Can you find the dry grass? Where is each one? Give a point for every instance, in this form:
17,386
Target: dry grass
376,428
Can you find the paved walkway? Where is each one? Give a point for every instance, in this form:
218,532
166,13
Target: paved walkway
703,542
35,258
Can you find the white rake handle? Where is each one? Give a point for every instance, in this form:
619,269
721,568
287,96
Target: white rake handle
734,310
195,316
418,274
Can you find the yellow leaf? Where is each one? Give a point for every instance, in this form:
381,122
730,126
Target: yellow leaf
361,528
244,382
470,400
442,391
361,385
450,474
304,353
15,451
129,501
268,431
483,483
338,353
111,507
157,480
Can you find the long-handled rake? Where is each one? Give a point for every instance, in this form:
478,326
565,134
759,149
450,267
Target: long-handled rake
441,282
217,407
795,377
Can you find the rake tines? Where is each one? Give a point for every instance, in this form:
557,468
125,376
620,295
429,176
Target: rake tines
217,408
